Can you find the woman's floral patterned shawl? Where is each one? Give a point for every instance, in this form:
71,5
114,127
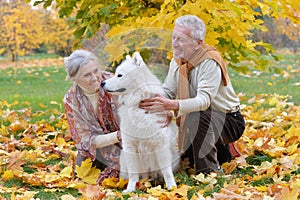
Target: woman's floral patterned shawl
85,124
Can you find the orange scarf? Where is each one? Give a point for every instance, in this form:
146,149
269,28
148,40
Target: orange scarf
204,52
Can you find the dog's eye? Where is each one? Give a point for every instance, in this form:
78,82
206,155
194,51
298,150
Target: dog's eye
119,75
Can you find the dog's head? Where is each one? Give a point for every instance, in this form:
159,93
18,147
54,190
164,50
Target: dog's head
127,75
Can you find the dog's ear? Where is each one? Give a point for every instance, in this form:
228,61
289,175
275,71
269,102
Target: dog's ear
128,57
138,60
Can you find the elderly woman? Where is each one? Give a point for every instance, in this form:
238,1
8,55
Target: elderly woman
91,114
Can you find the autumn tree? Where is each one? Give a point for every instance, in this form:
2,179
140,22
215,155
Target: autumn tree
58,33
229,23
25,29
21,28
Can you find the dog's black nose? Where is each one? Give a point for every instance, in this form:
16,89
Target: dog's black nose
102,83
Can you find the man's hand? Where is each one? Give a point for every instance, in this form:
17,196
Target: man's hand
159,104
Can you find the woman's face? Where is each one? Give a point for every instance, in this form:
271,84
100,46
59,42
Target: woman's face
89,76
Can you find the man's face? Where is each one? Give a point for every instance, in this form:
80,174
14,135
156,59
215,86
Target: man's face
89,76
183,44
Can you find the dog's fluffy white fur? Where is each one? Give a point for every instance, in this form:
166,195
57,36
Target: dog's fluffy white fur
147,147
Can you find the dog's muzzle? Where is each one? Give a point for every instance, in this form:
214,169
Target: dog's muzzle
108,90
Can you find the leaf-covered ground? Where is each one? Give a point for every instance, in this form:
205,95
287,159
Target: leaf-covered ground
37,159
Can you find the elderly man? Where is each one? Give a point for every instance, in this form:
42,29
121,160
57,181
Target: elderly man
206,107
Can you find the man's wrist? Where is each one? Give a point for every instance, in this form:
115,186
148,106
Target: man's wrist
175,105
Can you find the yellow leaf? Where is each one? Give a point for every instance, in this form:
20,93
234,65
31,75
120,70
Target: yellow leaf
296,184
8,175
27,140
87,173
13,196
67,197
181,192
206,180
77,185
289,194
46,74
51,178
261,188
92,192
292,148
121,183
270,84
67,172
42,105
114,182
60,141
19,82
156,191
28,195
109,182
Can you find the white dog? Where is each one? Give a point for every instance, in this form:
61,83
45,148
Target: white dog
147,146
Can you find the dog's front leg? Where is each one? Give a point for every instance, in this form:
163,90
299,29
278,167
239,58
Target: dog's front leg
169,177
133,179
133,165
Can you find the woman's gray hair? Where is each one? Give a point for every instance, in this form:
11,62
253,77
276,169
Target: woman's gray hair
194,23
77,59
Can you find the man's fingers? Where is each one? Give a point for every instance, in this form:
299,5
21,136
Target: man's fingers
150,100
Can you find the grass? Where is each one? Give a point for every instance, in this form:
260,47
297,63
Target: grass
258,82
33,56
43,88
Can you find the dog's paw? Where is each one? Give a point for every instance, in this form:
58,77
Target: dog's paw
128,190
171,185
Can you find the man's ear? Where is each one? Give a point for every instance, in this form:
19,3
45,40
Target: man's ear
199,41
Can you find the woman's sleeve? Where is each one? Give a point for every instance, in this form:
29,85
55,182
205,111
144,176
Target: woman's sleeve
106,140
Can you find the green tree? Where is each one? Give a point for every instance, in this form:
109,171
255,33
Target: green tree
229,23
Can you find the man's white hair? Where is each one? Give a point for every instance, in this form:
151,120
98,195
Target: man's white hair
195,24
76,60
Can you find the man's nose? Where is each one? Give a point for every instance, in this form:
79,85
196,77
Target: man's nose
174,43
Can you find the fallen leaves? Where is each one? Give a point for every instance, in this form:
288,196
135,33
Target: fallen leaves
40,154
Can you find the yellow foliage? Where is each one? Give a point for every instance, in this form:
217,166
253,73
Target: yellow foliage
272,127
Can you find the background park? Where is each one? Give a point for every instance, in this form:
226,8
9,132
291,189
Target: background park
260,40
